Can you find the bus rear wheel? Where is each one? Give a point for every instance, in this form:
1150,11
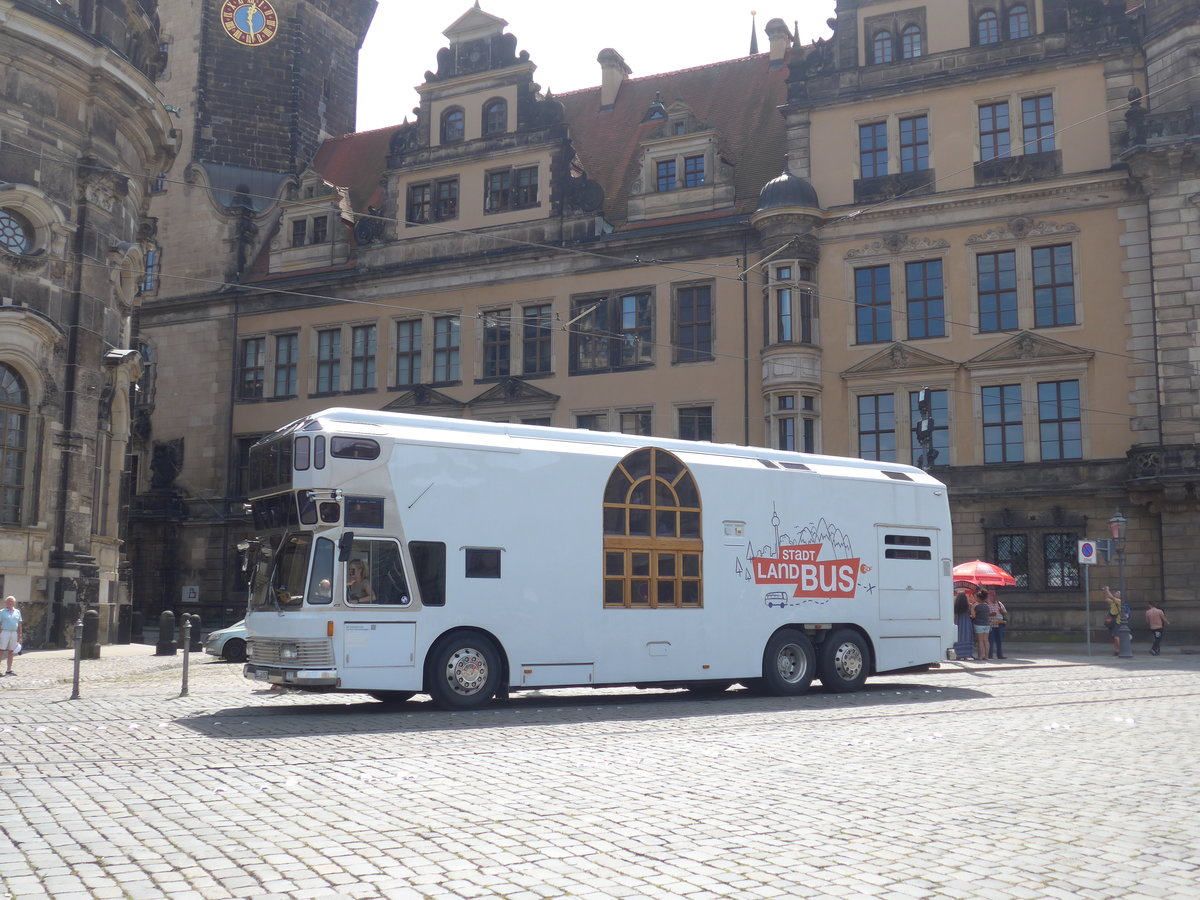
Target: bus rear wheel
843,663
464,672
789,664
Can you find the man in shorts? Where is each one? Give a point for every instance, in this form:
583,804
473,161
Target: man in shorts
10,631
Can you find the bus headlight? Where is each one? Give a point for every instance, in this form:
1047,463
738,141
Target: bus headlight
289,652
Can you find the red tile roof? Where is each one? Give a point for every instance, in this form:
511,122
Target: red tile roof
738,99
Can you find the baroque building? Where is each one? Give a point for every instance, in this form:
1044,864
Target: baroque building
82,131
959,235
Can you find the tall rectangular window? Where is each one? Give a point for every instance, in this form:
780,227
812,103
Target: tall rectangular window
664,173
536,322
1003,430
877,427
252,363
320,229
997,279
1053,286
693,323
497,187
635,331
785,433
299,232
445,200
995,141
939,407
695,423
873,304
497,343
329,361
693,171
926,302
362,358
1059,427
872,150
445,348
420,203
1037,123
408,352
287,357
636,422
150,274
914,144
525,191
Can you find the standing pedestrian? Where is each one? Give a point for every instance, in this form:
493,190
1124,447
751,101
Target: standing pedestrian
998,618
11,630
1112,621
964,647
1156,619
982,623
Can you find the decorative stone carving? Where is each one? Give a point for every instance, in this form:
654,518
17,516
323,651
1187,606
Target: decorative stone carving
1021,228
898,243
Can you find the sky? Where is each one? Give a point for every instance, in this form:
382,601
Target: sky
653,36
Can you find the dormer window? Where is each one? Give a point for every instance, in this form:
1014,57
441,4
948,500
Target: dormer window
881,47
910,42
1018,22
453,125
495,117
657,110
665,175
693,171
988,27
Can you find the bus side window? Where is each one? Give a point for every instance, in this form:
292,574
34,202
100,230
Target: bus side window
429,561
320,585
387,568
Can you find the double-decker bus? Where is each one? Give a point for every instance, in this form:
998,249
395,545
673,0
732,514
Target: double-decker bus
400,554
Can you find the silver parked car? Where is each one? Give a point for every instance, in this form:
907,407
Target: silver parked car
228,643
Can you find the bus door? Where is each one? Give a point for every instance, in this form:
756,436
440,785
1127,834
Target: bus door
379,630
909,581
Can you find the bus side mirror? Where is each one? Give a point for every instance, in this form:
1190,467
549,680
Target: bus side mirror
345,545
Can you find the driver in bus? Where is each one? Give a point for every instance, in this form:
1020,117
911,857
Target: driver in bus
358,585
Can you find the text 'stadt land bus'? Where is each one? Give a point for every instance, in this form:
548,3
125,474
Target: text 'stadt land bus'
505,557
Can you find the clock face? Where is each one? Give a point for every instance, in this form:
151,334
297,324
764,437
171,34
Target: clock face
249,22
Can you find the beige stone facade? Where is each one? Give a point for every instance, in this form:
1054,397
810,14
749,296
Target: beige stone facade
993,202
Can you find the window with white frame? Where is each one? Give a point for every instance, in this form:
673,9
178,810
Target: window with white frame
793,305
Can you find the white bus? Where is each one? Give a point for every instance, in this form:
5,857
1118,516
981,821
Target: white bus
401,554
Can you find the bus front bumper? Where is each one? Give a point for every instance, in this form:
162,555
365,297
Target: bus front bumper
326,678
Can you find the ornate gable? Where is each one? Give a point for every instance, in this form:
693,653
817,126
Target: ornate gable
424,399
514,391
1028,348
899,356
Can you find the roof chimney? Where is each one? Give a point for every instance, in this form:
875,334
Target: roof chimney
612,73
780,38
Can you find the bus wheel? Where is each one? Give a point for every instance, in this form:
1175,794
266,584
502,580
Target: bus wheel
391,697
464,672
788,663
843,662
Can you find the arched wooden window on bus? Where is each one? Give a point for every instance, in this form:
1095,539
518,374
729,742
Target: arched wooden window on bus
652,543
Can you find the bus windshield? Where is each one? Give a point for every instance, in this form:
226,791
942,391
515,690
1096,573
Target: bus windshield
279,583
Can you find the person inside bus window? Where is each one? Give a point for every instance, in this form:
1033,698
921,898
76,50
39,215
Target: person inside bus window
358,585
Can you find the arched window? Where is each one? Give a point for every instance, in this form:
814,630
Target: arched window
14,421
881,47
1018,22
910,42
988,27
16,233
652,542
495,116
453,122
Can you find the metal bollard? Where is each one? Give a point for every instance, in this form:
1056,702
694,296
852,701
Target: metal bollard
91,634
186,641
196,646
78,657
166,635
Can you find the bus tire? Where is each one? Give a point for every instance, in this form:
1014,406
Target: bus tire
789,663
392,697
844,661
464,672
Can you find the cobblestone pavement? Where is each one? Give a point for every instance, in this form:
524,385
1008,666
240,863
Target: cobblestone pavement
1040,777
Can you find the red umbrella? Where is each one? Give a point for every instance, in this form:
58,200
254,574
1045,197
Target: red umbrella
979,572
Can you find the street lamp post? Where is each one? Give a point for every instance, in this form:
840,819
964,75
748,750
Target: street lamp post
1124,634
